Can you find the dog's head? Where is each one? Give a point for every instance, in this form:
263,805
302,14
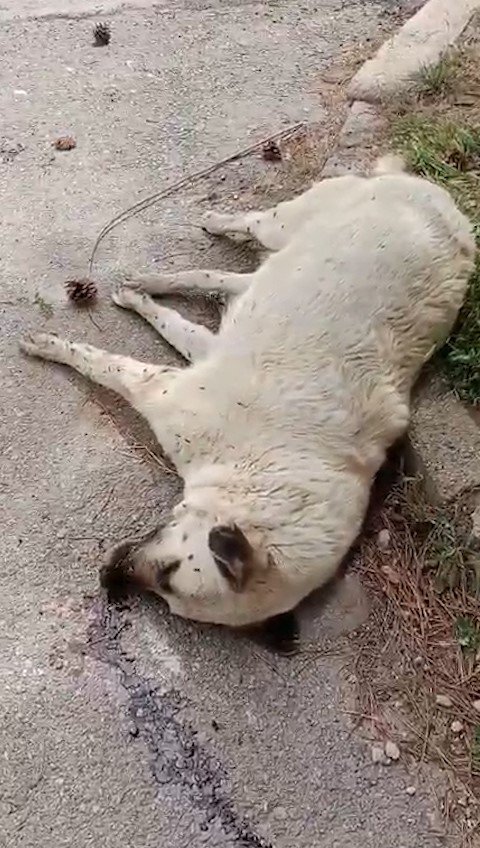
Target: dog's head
204,569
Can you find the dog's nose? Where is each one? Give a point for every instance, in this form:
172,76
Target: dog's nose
114,574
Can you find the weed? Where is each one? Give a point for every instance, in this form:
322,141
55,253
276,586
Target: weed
438,79
449,154
45,308
468,634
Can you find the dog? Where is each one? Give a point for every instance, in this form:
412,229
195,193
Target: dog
285,415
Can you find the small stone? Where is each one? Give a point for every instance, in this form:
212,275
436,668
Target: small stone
476,705
443,701
271,151
64,142
392,750
411,790
476,523
377,754
456,727
383,539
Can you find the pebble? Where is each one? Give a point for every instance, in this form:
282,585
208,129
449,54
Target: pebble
377,754
456,727
392,750
443,701
411,790
476,705
383,539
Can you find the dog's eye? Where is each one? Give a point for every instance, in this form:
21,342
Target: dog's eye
164,574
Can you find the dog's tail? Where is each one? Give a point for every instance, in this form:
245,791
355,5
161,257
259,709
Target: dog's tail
389,164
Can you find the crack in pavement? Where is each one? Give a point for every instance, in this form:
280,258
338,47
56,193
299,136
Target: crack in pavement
176,755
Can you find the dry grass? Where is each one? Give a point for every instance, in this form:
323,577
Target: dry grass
423,638
304,155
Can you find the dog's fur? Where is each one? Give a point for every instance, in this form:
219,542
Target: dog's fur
284,418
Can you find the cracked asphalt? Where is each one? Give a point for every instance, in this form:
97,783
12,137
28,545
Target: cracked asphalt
130,727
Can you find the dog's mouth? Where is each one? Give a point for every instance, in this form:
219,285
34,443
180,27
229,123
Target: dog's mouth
118,574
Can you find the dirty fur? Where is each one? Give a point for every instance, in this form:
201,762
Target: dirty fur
284,417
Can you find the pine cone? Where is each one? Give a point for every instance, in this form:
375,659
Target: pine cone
102,34
271,152
65,142
81,291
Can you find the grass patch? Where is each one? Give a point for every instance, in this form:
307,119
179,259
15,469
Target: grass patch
449,154
468,634
439,79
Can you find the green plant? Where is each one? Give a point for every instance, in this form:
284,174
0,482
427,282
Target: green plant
438,78
449,154
45,308
467,634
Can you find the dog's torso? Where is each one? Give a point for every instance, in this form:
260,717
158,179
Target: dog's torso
309,380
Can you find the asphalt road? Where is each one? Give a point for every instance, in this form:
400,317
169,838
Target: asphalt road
132,728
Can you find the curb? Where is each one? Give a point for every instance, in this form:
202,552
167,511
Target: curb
422,41
443,440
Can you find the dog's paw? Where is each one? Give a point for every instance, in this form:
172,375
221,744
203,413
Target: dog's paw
127,297
213,223
43,345
129,279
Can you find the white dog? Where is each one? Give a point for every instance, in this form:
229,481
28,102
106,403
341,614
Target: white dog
285,416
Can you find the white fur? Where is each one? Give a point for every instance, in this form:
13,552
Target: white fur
285,416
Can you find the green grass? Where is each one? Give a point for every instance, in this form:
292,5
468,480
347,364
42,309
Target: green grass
438,79
449,154
468,634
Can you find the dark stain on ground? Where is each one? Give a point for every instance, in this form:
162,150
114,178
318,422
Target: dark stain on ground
176,756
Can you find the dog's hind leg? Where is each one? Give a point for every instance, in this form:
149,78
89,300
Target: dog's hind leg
193,341
133,380
220,281
261,226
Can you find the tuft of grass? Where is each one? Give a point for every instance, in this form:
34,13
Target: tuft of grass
438,79
467,633
45,308
449,154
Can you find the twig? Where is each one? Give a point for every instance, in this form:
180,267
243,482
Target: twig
92,319
191,178
104,505
269,665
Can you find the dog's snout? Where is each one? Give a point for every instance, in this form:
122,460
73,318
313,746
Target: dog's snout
115,574
164,574
120,554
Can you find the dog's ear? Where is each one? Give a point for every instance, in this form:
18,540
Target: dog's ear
232,553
